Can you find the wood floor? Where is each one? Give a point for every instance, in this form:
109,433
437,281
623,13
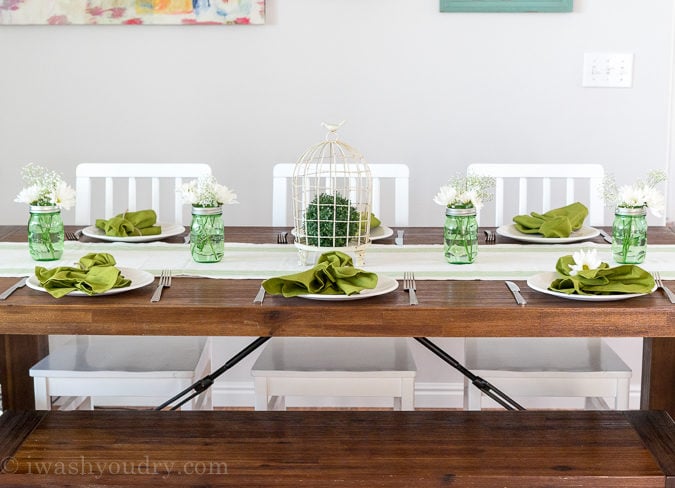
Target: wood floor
338,448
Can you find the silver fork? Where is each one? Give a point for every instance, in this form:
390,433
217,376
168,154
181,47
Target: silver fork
164,282
659,284
73,236
282,238
409,286
490,237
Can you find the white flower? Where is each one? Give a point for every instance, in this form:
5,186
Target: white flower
471,197
584,260
654,201
28,195
445,196
466,191
45,188
641,194
63,196
206,192
631,196
189,192
225,195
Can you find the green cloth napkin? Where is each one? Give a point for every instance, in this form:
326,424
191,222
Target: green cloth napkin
333,274
95,274
559,222
127,224
627,278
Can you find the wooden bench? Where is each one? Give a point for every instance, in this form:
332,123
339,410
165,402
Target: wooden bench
338,448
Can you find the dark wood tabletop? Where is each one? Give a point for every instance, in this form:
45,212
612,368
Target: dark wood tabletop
201,306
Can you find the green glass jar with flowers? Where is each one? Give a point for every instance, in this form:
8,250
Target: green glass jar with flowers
460,235
629,229
629,235
207,231
46,193
462,197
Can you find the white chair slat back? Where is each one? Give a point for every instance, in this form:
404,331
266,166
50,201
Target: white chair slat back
132,174
550,176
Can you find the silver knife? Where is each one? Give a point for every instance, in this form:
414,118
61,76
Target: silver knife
516,292
260,296
606,236
11,289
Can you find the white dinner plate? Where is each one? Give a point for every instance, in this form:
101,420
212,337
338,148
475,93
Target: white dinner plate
540,282
379,232
138,277
384,285
585,233
168,230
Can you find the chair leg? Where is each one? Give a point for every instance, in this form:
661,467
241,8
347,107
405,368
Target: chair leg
622,394
407,400
42,399
260,387
472,396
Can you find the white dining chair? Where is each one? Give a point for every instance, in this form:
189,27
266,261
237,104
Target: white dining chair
337,367
116,371
543,367
91,370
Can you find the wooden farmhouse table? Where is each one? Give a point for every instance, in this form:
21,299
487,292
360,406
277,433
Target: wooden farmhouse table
224,307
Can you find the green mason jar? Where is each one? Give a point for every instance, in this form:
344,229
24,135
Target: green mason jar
460,235
629,235
207,234
45,233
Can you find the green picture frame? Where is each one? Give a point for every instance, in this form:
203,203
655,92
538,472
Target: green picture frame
506,5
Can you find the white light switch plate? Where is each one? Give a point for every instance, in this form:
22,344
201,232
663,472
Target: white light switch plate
608,70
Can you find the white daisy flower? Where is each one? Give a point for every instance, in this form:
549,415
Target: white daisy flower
445,196
584,260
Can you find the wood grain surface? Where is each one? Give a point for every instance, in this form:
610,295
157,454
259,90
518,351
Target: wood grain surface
401,449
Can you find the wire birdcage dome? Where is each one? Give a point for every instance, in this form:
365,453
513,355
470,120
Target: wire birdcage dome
332,195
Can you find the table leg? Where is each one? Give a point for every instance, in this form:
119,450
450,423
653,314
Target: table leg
18,354
658,374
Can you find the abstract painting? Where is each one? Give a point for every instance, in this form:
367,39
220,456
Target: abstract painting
131,12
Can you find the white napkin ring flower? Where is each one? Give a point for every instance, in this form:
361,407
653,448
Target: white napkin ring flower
584,260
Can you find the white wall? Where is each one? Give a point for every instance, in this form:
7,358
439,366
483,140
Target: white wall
436,91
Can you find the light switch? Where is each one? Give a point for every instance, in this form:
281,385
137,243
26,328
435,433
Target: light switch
608,70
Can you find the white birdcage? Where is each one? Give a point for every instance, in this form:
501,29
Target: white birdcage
332,195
